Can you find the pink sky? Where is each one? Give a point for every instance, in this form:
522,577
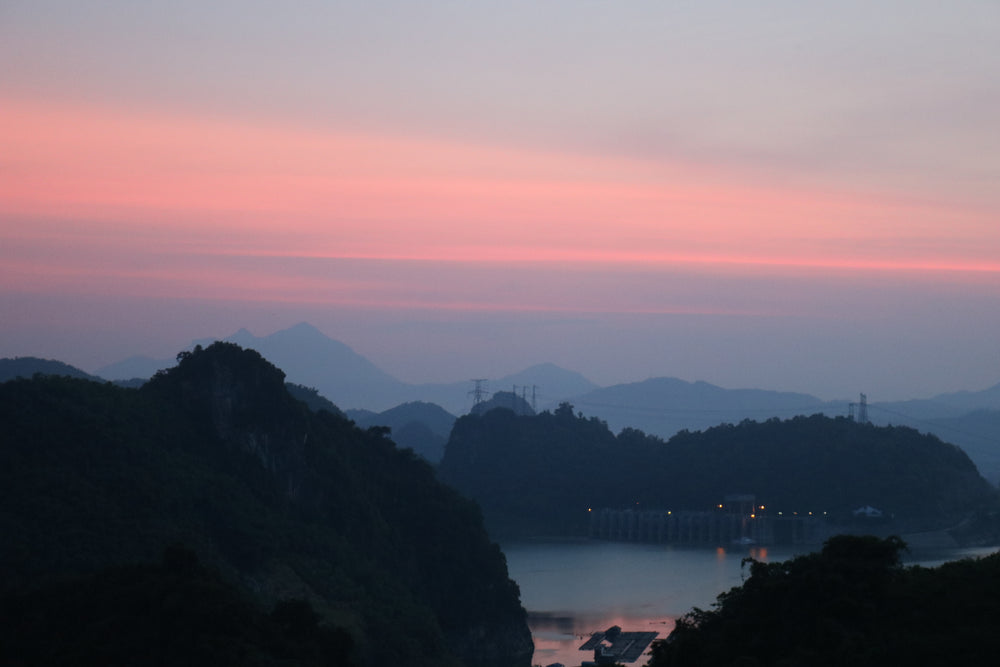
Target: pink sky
527,174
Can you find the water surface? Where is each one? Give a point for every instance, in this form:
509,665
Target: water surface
574,588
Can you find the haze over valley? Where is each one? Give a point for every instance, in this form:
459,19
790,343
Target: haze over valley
311,313
660,406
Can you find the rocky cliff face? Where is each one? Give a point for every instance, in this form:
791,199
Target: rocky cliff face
385,502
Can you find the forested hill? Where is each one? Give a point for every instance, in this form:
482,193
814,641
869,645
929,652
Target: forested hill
852,603
280,502
26,367
539,475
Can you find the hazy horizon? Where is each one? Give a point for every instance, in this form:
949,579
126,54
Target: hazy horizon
499,372
789,196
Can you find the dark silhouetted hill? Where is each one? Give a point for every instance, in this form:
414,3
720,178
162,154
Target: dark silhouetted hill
850,604
539,475
308,357
422,427
664,406
349,380
504,400
977,433
658,406
27,367
176,612
312,398
284,503
313,359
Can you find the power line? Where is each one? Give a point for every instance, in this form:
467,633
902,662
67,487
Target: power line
478,393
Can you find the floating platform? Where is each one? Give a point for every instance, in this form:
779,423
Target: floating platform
614,645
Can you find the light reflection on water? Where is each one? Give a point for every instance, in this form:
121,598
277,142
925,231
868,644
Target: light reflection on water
574,588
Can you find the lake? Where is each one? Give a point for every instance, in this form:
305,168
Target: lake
574,588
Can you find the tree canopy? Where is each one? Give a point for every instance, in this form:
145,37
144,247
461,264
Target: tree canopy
540,474
283,503
852,603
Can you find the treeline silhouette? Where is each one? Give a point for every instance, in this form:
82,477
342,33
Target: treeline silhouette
174,613
281,502
539,475
850,604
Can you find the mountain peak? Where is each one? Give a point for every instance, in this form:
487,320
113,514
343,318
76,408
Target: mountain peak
237,387
301,330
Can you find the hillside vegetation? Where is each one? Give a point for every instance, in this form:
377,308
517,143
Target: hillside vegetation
539,475
285,505
850,604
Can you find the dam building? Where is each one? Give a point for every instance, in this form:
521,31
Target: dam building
736,520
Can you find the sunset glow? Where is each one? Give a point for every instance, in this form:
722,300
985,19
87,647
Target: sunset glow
562,187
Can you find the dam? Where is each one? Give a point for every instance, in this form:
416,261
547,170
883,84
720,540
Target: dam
733,522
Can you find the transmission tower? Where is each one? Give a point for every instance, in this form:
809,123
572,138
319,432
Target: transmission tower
478,393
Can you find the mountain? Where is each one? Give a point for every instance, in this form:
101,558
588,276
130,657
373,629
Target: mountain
134,367
660,406
969,419
937,410
286,505
505,400
348,379
665,406
26,367
313,399
541,383
977,433
970,401
422,427
852,603
309,357
313,359
551,382
539,475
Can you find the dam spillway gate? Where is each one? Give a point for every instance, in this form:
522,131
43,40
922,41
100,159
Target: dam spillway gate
703,527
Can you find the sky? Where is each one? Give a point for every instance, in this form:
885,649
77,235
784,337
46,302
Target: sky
784,195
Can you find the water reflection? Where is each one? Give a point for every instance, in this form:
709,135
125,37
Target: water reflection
572,589
558,637
575,589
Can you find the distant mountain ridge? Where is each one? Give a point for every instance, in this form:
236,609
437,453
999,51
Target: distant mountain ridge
422,427
27,367
312,359
660,406
664,406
